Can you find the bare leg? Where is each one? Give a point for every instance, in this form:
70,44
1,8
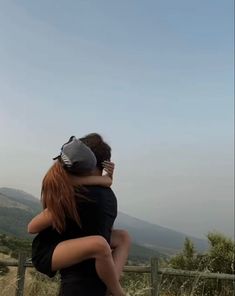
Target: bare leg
120,243
70,252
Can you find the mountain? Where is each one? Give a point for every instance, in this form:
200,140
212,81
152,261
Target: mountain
20,199
18,207
156,237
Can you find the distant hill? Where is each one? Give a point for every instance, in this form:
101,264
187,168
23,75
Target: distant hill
17,194
18,207
156,237
140,253
21,199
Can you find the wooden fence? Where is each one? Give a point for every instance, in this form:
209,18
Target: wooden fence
22,263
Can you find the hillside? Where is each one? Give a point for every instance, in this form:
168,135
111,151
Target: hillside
18,207
156,237
20,198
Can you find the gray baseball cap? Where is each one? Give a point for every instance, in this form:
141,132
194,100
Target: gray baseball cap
76,156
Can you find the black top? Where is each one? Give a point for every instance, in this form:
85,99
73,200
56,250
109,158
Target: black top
97,218
97,214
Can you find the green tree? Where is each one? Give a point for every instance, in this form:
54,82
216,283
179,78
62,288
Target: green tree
221,253
218,258
187,259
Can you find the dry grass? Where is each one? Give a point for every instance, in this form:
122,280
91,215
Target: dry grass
34,285
8,283
134,284
37,284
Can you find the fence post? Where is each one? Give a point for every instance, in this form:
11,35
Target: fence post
21,274
155,279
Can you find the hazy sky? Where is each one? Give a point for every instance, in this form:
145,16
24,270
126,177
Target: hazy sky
154,77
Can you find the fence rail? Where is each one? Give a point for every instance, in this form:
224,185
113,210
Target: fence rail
155,272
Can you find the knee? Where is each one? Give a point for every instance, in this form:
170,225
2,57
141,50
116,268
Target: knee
124,237
102,248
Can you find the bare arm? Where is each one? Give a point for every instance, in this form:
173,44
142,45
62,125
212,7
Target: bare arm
40,222
105,180
44,219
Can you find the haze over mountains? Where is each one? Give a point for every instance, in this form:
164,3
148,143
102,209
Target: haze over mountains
18,207
155,236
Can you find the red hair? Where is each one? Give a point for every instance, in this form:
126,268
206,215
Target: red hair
58,196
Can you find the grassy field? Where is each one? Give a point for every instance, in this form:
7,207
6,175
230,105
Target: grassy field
34,286
40,286
134,284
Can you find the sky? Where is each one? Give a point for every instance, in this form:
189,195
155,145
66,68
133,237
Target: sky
155,78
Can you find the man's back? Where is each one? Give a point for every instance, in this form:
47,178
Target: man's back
97,217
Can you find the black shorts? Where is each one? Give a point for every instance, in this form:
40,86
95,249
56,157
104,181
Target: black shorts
42,254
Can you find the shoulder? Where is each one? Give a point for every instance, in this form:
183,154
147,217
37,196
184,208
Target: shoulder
102,195
99,190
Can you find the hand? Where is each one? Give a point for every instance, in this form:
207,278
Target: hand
109,168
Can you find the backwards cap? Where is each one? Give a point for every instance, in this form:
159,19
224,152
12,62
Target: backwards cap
76,156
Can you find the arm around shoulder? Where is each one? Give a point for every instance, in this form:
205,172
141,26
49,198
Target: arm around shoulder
105,180
40,222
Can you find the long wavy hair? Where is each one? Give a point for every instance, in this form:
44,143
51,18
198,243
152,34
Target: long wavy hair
58,196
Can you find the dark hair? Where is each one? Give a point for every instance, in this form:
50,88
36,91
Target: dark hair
100,148
57,196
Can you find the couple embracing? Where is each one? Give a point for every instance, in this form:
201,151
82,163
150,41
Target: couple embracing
75,234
